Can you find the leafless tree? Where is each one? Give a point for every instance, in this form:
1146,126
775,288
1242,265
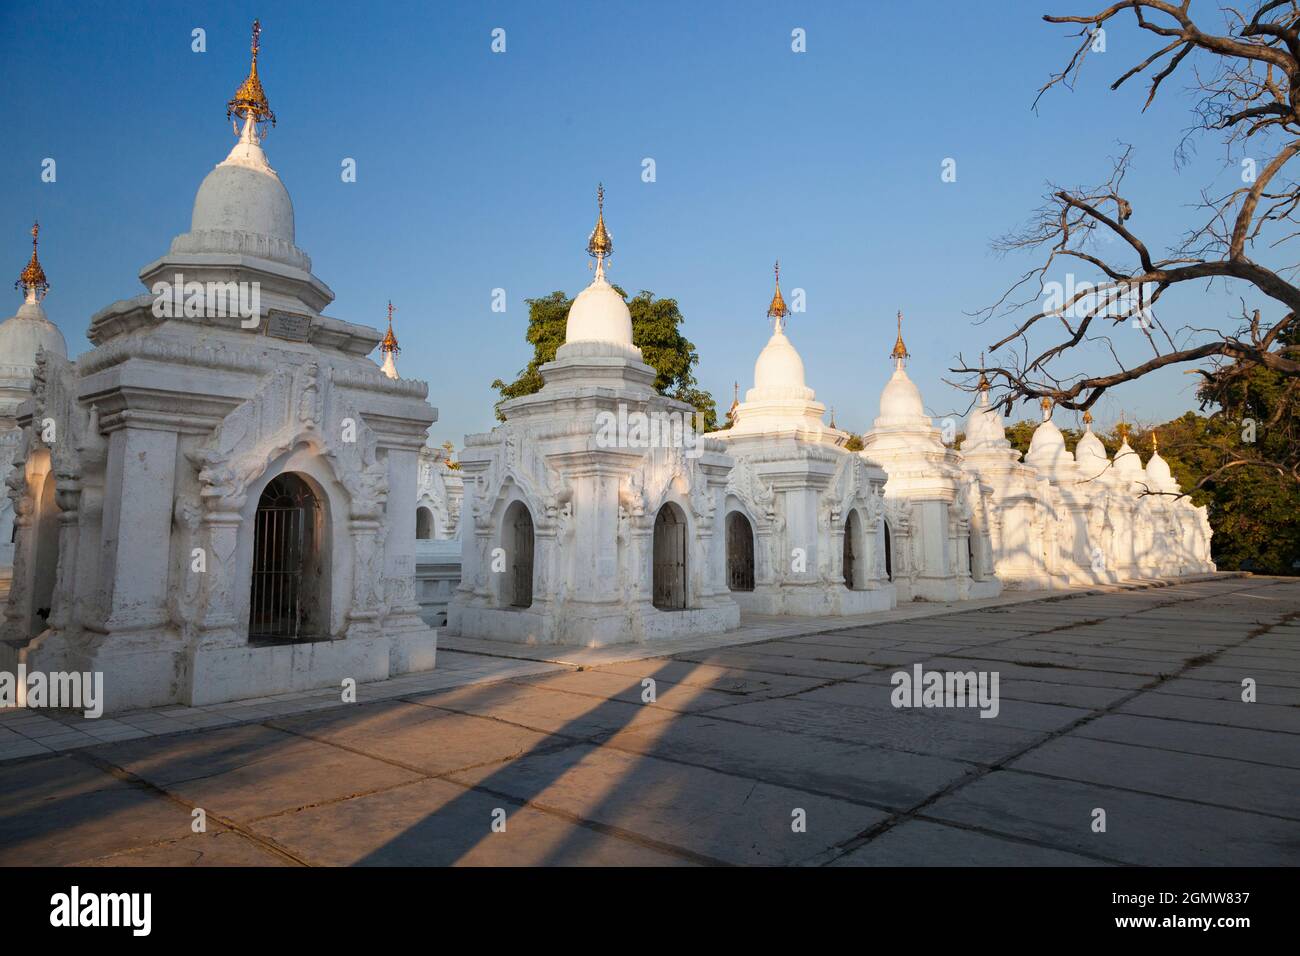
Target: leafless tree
1246,80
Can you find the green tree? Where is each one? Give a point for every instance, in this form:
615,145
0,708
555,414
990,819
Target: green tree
656,330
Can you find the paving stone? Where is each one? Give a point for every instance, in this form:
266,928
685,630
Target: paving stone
906,729
1019,714
60,810
431,740
1236,743
219,848
551,712
777,753
1217,780
1140,829
923,843
1233,713
246,772
681,698
714,678
435,823
718,816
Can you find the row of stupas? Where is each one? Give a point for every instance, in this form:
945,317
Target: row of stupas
182,436
966,522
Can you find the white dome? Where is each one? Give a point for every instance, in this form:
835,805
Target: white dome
900,401
1047,447
599,314
1158,473
779,369
27,331
984,425
1090,451
244,194
1127,462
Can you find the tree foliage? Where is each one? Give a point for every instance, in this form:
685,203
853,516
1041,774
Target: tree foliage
656,330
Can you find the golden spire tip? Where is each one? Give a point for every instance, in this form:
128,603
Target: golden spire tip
389,344
600,244
899,351
776,309
250,99
32,279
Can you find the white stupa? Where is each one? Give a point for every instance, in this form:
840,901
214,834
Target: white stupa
936,516
591,516
212,415
796,492
1024,555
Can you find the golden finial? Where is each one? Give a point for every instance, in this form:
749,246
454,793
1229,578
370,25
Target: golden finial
32,279
984,380
1046,404
777,309
899,351
832,416
1155,442
600,245
1122,428
1087,418
250,99
735,403
389,344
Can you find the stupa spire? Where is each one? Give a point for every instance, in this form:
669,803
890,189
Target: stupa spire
1087,420
1155,442
899,353
777,310
250,100
389,346
600,245
1046,404
31,281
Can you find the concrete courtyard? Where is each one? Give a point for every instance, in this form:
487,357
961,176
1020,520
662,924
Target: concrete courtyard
1128,701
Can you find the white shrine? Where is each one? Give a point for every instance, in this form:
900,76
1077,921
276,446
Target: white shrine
805,533
592,516
1022,515
203,498
936,515
23,337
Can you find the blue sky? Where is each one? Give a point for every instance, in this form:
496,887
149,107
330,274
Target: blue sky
478,170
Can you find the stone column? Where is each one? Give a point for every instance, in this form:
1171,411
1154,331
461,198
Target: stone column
399,542
137,527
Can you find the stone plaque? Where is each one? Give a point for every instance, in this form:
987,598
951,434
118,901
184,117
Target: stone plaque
288,326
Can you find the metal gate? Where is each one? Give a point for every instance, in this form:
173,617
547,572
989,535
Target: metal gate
740,553
669,578
522,531
889,552
849,528
279,551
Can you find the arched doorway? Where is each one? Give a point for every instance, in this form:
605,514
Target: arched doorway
287,600
423,523
740,553
45,555
971,569
850,556
669,576
519,548
889,551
